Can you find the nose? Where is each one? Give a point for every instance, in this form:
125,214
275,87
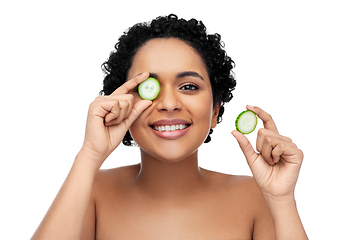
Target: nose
168,100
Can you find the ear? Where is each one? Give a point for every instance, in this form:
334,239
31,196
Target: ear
216,110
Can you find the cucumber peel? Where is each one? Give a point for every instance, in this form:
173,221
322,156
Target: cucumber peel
149,89
246,122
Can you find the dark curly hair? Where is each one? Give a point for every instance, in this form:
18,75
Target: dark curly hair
193,32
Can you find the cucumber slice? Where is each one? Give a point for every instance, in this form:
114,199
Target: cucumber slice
246,122
149,89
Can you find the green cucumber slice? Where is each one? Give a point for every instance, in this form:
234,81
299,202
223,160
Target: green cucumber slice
246,122
149,89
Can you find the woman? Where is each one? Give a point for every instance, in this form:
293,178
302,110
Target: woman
167,196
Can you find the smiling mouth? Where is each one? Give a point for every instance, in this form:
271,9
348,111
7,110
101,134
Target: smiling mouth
170,128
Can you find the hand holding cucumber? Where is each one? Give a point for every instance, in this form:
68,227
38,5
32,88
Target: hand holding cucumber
110,117
277,164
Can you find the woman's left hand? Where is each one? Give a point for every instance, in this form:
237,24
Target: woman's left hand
276,167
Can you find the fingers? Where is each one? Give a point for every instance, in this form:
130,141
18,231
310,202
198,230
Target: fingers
131,84
113,109
265,117
270,145
274,147
119,106
263,134
268,153
118,113
246,147
120,101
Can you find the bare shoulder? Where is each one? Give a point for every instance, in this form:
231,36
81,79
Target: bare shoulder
122,172
242,192
240,184
116,177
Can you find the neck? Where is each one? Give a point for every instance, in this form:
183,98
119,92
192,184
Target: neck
169,179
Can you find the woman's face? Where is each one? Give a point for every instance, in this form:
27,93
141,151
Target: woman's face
180,118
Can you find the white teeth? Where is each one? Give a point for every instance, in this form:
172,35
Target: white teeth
169,128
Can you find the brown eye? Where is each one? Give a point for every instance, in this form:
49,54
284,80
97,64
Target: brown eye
189,87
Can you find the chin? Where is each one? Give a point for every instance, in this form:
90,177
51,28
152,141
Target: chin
169,153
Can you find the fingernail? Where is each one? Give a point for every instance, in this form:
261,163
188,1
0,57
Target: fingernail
250,106
107,124
140,74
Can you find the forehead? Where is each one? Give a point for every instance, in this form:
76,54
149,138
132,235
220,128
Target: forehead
166,56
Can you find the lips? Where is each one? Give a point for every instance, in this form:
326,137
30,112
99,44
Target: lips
170,128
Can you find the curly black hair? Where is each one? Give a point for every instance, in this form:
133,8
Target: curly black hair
193,32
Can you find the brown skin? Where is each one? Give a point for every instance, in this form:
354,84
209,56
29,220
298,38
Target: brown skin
219,207
167,196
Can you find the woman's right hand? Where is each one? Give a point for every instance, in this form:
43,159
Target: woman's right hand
110,117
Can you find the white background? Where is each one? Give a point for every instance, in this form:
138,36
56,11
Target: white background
298,60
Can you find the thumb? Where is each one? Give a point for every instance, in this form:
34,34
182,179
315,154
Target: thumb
246,147
138,108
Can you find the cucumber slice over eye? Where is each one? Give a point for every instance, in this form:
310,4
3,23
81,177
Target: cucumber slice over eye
246,122
149,89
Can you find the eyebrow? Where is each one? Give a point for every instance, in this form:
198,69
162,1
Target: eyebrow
154,75
189,74
181,75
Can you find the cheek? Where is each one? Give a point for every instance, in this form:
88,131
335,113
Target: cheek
201,107
201,111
